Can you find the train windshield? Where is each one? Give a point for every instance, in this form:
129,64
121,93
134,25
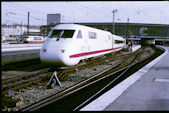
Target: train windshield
62,33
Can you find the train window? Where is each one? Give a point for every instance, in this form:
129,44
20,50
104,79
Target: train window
68,33
55,34
119,41
37,38
62,34
92,35
79,35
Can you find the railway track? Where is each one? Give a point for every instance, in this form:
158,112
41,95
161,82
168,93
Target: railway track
65,92
63,75
12,84
22,81
122,65
17,82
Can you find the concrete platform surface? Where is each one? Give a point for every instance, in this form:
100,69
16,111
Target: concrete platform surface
20,47
145,90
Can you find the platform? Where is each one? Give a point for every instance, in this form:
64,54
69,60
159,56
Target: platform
20,47
12,53
145,90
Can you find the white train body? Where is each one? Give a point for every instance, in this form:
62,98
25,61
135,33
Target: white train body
67,44
34,39
118,43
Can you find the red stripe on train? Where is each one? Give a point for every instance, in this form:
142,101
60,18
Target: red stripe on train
92,52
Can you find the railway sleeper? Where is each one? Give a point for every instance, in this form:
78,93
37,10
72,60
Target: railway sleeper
24,76
21,86
72,89
11,85
63,75
69,90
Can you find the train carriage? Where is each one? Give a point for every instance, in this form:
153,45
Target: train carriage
118,43
67,44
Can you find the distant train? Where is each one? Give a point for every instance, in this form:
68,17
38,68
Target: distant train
34,39
68,44
3,39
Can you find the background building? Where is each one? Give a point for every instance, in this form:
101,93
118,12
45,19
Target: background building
10,32
53,18
131,31
128,30
13,30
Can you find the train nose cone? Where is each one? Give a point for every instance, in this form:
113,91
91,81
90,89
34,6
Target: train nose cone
51,56
57,56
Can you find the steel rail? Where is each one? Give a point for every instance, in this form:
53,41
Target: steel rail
77,87
74,88
16,77
124,71
11,84
70,90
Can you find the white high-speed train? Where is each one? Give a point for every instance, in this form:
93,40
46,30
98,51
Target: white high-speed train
68,44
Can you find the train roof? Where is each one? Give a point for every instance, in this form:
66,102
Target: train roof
118,37
68,26
76,26
121,23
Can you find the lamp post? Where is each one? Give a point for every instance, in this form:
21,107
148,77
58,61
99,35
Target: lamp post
28,25
128,29
113,24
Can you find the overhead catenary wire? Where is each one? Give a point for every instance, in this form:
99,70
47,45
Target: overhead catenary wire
80,7
141,11
17,17
33,11
24,9
91,11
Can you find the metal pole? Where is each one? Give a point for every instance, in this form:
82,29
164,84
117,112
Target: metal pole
113,28
128,36
28,25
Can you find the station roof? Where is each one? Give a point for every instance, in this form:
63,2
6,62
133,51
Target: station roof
139,24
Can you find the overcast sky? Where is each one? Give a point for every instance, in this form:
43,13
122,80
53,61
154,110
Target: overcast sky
156,12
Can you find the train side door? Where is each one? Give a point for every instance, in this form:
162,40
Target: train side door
81,41
113,42
85,42
84,45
